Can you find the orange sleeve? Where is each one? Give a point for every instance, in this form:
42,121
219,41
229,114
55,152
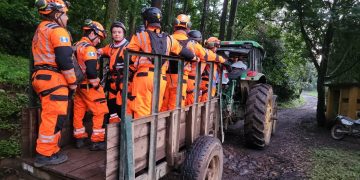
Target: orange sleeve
175,46
134,45
60,37
200,52
105,51
90,53
213,57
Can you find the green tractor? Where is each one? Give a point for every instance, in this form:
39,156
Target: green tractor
246,94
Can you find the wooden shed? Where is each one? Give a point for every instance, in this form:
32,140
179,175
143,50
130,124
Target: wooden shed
342,99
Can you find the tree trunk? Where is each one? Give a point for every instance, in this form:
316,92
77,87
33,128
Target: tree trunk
320,111
168,16
112,11
185,6
234,4
223,20
203,18
156,3
132,22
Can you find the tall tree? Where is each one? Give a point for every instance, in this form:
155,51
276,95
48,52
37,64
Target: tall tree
186,6
156,3
317,22
112,11
223,20
168,15
204,16
230,29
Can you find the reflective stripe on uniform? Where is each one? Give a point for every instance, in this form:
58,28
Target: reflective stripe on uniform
98,131
114,115
139,39
93,80
69,74
79,131
145,43
46,139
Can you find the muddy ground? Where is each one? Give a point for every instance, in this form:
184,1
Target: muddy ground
288,156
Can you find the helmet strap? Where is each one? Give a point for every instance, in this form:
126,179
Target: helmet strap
92,39
59,21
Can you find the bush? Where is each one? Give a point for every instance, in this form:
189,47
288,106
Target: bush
10,147
10,106
14,72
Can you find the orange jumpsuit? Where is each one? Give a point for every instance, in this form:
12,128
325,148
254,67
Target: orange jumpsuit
54,72
116,64
205,76
169,101
205,55
87,96
142,85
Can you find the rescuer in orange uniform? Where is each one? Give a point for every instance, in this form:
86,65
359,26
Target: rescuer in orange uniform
205,55
181,24
115,51
52,78
152,40
90,94
211,44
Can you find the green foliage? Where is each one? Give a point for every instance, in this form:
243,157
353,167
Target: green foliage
11,105
14,72
81,10
18,23
330,163
10,147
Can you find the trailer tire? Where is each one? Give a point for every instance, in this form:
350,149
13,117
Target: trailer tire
204,160
258,116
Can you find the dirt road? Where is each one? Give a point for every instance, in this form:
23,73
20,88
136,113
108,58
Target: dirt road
288,156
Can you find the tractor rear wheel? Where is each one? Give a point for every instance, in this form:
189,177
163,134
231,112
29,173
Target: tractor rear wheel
259,116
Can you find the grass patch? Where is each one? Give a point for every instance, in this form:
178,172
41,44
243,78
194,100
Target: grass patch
332,163
294,103
14,72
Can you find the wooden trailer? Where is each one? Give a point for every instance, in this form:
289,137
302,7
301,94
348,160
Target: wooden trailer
184,139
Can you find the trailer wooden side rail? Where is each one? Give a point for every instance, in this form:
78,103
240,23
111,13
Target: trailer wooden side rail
144,148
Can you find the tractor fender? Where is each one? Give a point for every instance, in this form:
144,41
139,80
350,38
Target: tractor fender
260,77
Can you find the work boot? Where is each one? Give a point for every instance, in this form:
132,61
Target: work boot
42,160
98,146
81,142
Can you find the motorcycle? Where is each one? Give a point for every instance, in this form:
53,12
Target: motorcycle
345,126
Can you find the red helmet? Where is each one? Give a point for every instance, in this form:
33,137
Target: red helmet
48,6
96,27
182,20
212,42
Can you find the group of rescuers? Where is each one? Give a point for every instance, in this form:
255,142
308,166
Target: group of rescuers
54,77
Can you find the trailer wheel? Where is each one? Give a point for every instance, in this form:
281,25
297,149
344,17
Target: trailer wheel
258,116
204,160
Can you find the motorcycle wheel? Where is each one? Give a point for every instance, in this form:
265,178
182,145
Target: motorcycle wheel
338,135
